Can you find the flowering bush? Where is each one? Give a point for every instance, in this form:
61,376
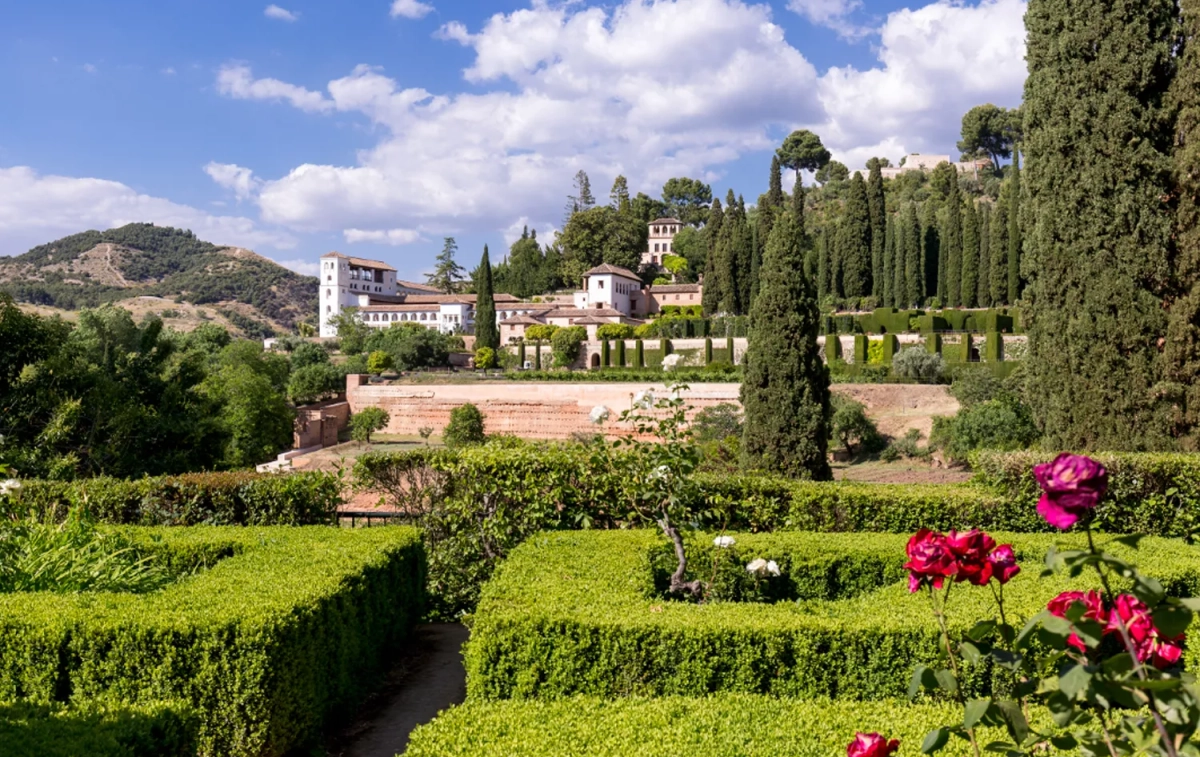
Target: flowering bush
1104,662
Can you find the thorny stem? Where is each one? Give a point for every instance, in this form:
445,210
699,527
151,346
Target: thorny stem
941,619
1137,664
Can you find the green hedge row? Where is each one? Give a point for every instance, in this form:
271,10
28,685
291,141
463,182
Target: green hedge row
894,321
725,725
96,730
484,501
238,498
585,613
267,645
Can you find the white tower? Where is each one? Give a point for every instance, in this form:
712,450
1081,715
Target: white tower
345,281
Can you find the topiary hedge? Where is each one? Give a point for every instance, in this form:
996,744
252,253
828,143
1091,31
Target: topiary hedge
238,498
723,725
154,729
267,645
584,613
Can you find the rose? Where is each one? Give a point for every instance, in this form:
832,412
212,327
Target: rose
871,745
1148,643
761,567
1071,486
1004,563
8,486
599,414
724,542
670,361
643,399
1094,611
971,551
930,560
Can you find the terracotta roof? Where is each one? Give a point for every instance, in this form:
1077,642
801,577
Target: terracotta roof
418,287
614,270
584,312
526,320
398,308
459,298
667,220
673,288
589,320
361,262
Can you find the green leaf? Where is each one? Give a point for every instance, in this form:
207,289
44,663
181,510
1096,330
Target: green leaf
974,711
1118,664
1148,589
1064,741
981,630
922,677
969,652
1000,747
1061,708
1014,720
1155,684
1171,619
947,681
935,740
1131,540
1030,628
1074,680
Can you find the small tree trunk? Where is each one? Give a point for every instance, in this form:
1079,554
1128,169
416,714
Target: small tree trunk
678,585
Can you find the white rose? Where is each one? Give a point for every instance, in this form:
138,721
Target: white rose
757,566
600,414
772,567
11,485
644,399
724,542
670,361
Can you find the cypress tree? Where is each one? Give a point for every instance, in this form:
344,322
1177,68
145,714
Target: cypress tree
1097,226
755,261
887,271
823,266
899,260
930,249
743,257
854,241
914,258
877,208
1013,273
710,295
775,185
486,332
785,384
998,244
952,244
835,262
970,254
983,294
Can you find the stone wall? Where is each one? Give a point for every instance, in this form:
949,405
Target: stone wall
319,425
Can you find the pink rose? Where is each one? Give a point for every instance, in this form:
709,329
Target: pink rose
1004,563
1071,485
1091,600
930,560
871,745
1147,642
971,551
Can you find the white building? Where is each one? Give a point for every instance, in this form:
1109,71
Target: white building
344,279
660,241
926,163
610,287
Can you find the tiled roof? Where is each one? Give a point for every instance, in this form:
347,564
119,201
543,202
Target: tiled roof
674,288
614,270
518,320
361,262
468,299
667,220
418,287
584,312
398,309
589,320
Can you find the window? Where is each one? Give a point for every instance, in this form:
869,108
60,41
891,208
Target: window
329,308
677,298
328,292
600,284
329,278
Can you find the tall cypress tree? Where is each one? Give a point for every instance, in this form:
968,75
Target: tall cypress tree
899,257
998,244
1013,273
952,244
823,266
727,256
486,332
877,207
744,259
914,257
931,249
1097,228
785,385
887,270
854,241
970,254
984,293
710,295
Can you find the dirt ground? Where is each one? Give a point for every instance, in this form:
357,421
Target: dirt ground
895,408
900,472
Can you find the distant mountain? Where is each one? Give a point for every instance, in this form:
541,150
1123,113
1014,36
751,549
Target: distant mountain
94,267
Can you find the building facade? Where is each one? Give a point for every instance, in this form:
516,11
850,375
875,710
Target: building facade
660,241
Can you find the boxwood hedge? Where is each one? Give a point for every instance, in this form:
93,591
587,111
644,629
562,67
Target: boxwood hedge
237,498
267,644
725,725
154,729
579,613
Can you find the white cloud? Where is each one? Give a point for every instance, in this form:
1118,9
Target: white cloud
831,13
280,14
301,266
168,71
410,9
35,209
89,68
381,236
233,177
236,81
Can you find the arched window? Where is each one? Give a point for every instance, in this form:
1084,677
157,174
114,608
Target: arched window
328,292
329,308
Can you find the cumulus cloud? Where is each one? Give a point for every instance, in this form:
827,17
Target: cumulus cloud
237,81
382,236
233,177
35,209
301,266
280,14
410,9
831,13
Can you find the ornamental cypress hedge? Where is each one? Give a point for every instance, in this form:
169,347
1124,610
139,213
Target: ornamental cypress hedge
584,613
269,644
155,729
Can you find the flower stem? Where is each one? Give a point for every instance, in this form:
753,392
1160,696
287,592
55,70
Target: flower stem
939,614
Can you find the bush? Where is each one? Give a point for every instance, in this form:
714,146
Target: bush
540,333
153,729
366,422
721,724
645,331
411,345
565,344
465,427
378,362
316,382
305,354
851,428
246,499
916,363
844,625
285,634
993,424
975,385
615,331
716,423
485,358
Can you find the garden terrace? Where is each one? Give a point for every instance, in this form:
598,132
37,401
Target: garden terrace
289,629
584,613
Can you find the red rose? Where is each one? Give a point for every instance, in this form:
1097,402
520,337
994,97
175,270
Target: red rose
971,553
1147,641
1071,485
1091,600
871,745
930,559
1004,563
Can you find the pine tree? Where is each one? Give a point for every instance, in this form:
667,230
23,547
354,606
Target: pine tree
447,274
984,292
1013,274
887,271
914,257
969,284
877,208
1097,227
619,196
785,385
711,294
998,245
952,244
486,332
823,267
854,241
930,249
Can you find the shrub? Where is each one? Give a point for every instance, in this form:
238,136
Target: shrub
851,427
856,633
994,424
975,385
485,358
645,331
465,427
565,344
305,354
540,333
721,724
916,363
718,422
314,383
153,729
366,422
287,632
378,362
615,331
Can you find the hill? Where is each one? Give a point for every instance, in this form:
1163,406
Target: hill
140,261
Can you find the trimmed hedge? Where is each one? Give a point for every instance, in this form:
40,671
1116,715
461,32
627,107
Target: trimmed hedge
267,645
238,498
154,729
584,613
725,725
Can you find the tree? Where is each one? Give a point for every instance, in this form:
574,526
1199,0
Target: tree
582,198
487,334
930,249
255,418
877,209
914,257
983,290
728,254
691,244
1098,227
989,131
998,246
366,422
852,428
485,358
742,248
447,275
619,196
351,331
785,384
687,199
313,383
887,271
952,244
802,151
854,241
1014,233
527,273
823,267
711,295
833,171
466,427
969,283
378,362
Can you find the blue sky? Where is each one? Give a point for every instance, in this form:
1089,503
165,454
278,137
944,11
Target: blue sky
378,127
